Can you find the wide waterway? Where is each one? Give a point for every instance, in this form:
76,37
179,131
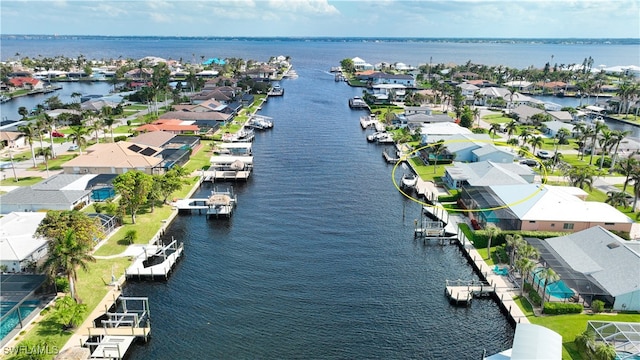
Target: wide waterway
317,261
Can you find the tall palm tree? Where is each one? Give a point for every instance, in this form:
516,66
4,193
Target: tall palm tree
77,136
48,123
580,176
525,134
66,255
96,126
46,153
628,167
513,243
492,231
536,141
437,149
494,128
524,266
605,141
29,133
511,128
547,276
600,126
618,136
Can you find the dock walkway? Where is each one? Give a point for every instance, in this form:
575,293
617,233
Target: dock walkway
155,261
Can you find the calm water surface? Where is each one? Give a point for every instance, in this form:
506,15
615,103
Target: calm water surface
318,261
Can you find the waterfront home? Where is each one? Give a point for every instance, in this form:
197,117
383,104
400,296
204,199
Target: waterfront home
466,148
414,118
378,78
437,130
493,94
486,173
173,126
116,158
552,86
153,138
20,247
519,85
205,120
97,105
596,264
468,90
24,83
482,83
359,64
385,93
563,116
59,192
176,149
261,73
537,207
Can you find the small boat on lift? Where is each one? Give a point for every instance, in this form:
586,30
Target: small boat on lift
409,180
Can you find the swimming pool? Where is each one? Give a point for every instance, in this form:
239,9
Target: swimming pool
10,319
556,289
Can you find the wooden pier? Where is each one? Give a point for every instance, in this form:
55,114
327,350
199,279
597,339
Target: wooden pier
155,261
225,175
388,158
461,292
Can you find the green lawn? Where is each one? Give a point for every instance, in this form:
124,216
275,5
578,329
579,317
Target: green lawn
497,118
54,164
426,171
22,181
569,326
201,159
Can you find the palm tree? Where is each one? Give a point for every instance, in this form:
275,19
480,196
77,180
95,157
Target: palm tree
491,231
437,149
476,114
22,111
513,243
580,176
29,134
66,255
548,276
536,141
76,95
511,128
524,266
494,128
616,198
48,123
96,126
628,167
618,136
525,134
600,126
636,187
605,141
46,153
78,136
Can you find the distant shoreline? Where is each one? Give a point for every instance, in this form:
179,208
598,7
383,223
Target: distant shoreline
559,41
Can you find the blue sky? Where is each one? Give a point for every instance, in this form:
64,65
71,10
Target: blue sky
362,18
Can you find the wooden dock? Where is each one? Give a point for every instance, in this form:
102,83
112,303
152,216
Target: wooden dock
461,292
225,175
388,158
147,265
218,204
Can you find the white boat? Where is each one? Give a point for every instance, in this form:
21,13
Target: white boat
409,180
260,122
374,137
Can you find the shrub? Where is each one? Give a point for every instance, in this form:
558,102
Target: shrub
448,198
62,284
131,236
120,138
552,308
597,306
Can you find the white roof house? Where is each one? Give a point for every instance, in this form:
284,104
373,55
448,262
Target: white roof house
18,245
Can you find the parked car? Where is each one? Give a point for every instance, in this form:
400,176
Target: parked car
73,147
544,154
57,134
529,162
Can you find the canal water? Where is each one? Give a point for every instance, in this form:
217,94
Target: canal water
319,260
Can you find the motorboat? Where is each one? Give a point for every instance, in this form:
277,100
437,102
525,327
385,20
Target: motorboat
374,137
409,180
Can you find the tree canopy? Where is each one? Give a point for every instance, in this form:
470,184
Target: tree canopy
86,229
133,187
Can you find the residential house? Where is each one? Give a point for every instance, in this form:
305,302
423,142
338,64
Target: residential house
563,116
116,158
487,173
519,85
468,91
59,192
555,125
26,83
359,64
174,126
378,78
597,264
524,113
431,132
261,73
459,147
492,94
388,92
537,207
490,152
153,138
176,150
12,139
206,121
20,247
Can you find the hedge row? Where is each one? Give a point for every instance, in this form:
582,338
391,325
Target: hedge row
480,237
552,308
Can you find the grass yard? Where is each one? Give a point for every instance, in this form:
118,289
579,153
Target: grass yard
201,159
22,181
569,326
426,171
497,118
54,164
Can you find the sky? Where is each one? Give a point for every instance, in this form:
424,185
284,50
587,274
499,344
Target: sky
324,18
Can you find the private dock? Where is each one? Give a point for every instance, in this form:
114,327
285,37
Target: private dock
225,175
218,204
155,261
461,292
368,121
388,158
231,167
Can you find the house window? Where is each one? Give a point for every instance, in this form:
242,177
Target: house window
553,225
567,226
609,224
532,222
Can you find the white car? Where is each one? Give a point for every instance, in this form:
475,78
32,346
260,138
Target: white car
73,147
544,154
